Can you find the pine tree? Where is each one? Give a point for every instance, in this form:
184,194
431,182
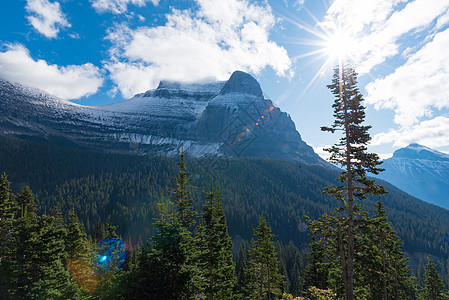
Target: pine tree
162,272
181,196
392,278
99,232
241,263
351,154
317,270
26,235
217,268
50,257
80,258
433,285
7,243
264,280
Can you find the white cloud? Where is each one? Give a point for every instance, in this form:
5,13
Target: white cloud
222,36
418,86
69,82
118,6
321,152
46,17
377,25
433,133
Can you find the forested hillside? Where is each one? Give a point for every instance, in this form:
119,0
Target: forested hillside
128,188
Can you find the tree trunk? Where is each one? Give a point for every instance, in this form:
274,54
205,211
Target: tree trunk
349,283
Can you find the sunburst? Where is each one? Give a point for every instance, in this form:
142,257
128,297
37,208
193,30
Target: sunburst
331,44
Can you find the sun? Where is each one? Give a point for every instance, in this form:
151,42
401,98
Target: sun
339,45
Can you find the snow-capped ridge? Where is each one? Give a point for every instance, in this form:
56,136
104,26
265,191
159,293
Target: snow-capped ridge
222,119
241,82
417,151
420,171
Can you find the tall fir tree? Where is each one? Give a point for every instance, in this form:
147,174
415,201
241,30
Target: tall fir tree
391,276
26,235
7,243
351,154
214,246
181,195
161,272
264,280
317,270
241,263
50,258
433,285
80,261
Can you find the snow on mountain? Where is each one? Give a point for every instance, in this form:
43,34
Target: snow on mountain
229,119
420,171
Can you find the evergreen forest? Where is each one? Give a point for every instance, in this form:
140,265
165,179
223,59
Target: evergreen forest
80,224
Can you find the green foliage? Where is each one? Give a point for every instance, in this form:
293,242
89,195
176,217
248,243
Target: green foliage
214,246
42,257
128,189
433,285
264,280
161,272
181,196
7,242
350,153
353,253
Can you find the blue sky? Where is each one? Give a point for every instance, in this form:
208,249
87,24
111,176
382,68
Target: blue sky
96,52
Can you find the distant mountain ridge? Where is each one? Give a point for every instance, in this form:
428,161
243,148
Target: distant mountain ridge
223,119
420,171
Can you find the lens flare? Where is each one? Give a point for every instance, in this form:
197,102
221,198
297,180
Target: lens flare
111,254
83,274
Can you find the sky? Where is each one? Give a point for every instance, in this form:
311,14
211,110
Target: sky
95,52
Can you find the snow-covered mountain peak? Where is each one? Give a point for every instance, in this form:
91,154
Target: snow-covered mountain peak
420,171
206,87
417,151
243,83
230,119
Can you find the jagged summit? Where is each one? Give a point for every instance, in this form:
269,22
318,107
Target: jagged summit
230,119
420,171
241,82
205,87
417,151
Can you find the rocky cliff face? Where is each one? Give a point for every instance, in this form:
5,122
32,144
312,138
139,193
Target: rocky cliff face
420,171
230,119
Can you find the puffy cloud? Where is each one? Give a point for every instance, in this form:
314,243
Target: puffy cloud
220,37
433,133
46,17
118,6
321,152
418,86
69,82
376,26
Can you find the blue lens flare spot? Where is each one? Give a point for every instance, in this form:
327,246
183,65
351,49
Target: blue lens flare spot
111,254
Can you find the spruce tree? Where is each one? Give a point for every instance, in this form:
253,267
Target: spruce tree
181,196
242,262
317,270
52,277
433,285
215,261
7,243
26,235
391,277
80,258
264,280
350,153
161,272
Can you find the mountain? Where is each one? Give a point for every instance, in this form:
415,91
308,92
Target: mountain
221,119
420,171
128,188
